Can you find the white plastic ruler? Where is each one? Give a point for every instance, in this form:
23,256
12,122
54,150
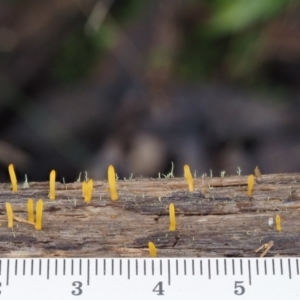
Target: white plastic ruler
147,278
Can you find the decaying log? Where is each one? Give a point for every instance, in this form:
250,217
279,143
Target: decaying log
217,219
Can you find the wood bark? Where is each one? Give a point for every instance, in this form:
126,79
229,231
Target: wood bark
218,219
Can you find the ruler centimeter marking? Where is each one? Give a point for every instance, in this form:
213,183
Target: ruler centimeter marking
83,272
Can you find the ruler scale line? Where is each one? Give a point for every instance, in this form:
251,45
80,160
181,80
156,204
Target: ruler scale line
80,266
16,267
32,267
265,265
96,267
104,267
201,273
193,267
209,275
128,268
160,267
120,267
169,272
136,268
152,264
249,271
56,267
7,273
88,272
64,268
297,266
290,271
48,268
40,267
24,267
241,266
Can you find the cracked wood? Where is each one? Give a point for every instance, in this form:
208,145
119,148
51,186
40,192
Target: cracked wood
217,219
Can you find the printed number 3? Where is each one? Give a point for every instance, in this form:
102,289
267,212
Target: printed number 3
78,290
239,289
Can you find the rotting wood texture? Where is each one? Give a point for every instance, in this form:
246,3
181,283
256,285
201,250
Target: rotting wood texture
217,219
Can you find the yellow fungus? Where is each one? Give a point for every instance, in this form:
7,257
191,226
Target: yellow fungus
172,217
10,215
52,185
278,223
112,183
250,185
39,215
13,177
152,249
30,210
189,177
87,189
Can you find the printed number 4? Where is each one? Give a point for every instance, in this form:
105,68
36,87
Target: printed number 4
159,289
239,289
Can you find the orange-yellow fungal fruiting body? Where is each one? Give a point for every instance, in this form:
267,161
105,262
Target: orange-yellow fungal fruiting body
152,249
13,177
30,210
39,215
87,189
189,177
250,185
10,215
52,185
278,223
172,217
112,183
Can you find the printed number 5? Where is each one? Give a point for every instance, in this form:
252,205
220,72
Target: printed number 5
239,289
78,290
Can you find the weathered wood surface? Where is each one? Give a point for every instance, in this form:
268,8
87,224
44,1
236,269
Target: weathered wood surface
218,219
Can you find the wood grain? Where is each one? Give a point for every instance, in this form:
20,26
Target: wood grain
217,219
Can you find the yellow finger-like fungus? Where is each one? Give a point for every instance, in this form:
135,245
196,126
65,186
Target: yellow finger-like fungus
172,217
10,215
13,178
250,185
112,183
152,249
189,177
278,223
30,210
39,215
87,189
52,185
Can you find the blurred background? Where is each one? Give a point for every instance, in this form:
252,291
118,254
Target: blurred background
140,84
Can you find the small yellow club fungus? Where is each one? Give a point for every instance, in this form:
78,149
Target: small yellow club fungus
152,249
278,223
13,177
39,215
87,189
10,215
112,183
172,217
189,177
30,210
52,185
250,185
